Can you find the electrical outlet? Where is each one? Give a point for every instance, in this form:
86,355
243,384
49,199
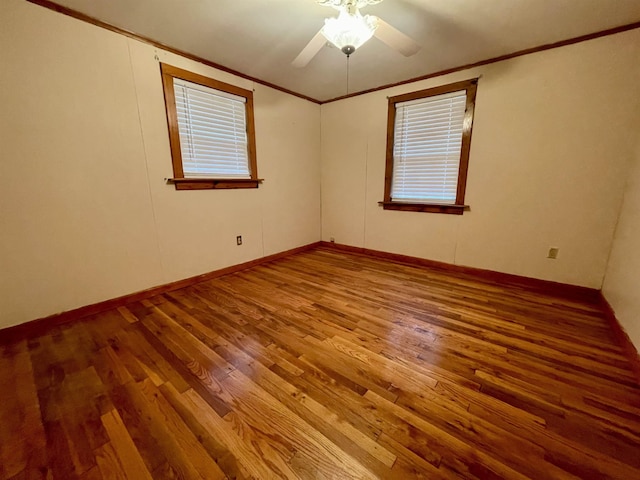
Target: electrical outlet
239,239
332,240
553,252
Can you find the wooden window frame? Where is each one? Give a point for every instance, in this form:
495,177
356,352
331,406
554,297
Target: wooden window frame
202,183
470,86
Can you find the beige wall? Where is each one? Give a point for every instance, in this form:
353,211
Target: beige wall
85,214
622,282
552,139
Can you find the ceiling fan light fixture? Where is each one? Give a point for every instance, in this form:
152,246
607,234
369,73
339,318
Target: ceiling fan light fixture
350,30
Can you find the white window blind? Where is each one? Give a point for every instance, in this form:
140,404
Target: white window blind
213,131
427,147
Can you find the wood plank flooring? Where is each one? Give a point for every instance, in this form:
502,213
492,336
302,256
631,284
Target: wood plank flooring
325,365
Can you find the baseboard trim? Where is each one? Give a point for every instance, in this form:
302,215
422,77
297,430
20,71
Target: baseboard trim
621,337
547,286
41,325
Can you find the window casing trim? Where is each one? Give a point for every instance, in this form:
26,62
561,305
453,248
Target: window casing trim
470,86
170,72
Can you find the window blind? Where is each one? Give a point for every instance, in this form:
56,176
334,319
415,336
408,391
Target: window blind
427,147
213,132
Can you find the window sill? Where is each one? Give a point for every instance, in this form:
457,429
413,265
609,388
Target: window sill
213,183
425,207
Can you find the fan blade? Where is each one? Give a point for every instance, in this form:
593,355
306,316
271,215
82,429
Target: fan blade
310,51
396,39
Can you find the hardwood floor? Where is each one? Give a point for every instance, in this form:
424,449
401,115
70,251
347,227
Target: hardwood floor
325,365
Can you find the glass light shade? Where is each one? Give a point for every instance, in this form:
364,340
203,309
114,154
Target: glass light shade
349,29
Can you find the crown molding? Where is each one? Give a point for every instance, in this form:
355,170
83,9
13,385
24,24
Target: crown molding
527,51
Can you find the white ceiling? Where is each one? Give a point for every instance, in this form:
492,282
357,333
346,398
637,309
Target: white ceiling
260,38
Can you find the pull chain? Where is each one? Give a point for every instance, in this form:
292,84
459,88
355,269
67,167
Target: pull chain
348,56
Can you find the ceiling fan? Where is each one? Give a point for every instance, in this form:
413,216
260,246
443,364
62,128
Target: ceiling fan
351,29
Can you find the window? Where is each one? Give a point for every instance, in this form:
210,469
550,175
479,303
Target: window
211,132
428,139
